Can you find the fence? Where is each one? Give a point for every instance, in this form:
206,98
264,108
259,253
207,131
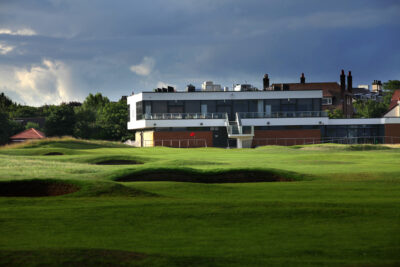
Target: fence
178,143
337,140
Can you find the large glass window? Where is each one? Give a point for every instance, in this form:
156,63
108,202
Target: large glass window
139,110
240,106
316,104
160,107
304,105
274,103
211,105
192,106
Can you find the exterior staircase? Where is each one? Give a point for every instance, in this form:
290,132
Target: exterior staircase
243,134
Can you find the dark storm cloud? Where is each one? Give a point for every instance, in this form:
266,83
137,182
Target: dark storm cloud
108,46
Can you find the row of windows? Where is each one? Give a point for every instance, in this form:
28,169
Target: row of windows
227,106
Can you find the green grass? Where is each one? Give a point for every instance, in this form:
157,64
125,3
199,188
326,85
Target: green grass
343,209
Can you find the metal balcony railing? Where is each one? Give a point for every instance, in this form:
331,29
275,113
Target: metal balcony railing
235,130
282,114
183,116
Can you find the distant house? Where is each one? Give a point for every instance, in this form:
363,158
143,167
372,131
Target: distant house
26,135
335,95
394,107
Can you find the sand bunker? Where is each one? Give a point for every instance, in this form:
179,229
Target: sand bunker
35,188
197,177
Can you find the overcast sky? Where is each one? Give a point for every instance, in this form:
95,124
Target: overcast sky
53,50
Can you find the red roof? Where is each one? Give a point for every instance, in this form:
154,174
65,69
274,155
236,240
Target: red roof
329,89
29,134
395,98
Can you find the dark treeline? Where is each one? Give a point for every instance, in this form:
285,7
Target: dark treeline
96,118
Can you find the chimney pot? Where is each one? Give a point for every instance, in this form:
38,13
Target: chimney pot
302,78
265,82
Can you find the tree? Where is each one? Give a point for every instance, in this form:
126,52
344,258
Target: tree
370,109
391,85
85,123
389,88
8,128
31,124
60,121
335,114
5,103
20,111
96,101
113,119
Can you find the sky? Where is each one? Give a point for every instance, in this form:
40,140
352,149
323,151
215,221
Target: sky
54,51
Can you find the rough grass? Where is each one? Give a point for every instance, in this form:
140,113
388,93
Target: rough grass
343,209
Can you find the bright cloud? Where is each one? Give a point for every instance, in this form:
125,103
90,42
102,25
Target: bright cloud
5,49
47,83
23,32
145,67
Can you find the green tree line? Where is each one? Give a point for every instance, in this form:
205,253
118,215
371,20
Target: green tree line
96,118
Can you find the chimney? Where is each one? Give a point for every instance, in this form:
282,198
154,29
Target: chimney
342,81
302,78
349,82
265,82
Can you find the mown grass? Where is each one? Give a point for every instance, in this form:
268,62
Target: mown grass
342,209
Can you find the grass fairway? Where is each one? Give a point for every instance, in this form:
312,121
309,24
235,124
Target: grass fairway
329,205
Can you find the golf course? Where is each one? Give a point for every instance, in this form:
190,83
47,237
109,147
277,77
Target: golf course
70,202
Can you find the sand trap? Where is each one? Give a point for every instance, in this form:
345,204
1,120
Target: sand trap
118,162
222,177
35,188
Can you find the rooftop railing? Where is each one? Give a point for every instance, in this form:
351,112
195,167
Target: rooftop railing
184,116
241,115
282,114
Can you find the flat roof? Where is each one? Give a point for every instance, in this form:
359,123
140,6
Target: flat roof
224,95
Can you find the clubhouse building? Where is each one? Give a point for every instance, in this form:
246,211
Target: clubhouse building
280,114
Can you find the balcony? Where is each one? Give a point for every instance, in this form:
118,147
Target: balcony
286,114
183,116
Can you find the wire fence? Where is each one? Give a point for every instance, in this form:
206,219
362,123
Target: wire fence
337,140
193,143
178,143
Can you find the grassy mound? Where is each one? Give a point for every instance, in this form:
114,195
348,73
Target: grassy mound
112,189
215,176
36,188
329,146
117,162
67,142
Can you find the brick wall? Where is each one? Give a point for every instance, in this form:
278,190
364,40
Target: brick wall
392,133
183,139
286,137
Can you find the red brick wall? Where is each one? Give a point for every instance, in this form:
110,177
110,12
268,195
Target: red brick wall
286,137
392,131
183,139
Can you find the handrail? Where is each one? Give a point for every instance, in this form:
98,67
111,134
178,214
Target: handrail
236,130
282,114
180,116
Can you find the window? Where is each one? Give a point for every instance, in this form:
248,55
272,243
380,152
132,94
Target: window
327,101
139,110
